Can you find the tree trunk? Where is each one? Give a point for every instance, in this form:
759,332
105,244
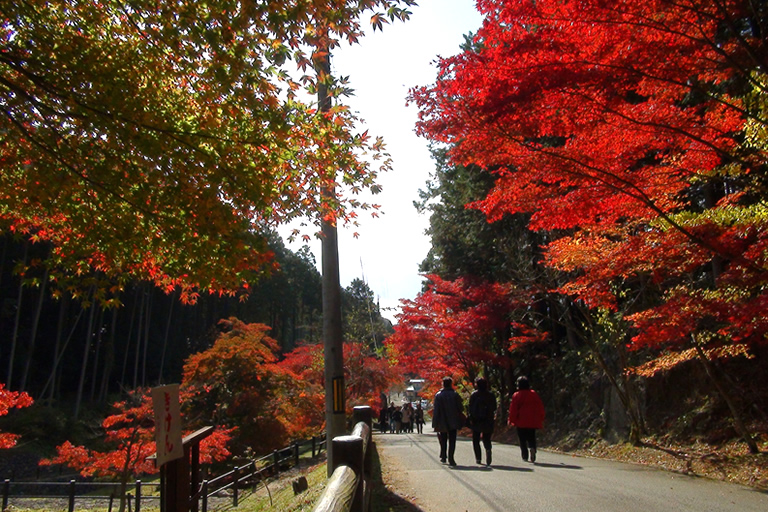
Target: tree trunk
137,356
109,358
60,326
165,338
33,334
738,422
97,355
84,367
55,376
628,402
16,326
3,257
128,340
144,356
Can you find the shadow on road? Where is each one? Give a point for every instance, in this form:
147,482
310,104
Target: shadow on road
493,467
557,466
382,499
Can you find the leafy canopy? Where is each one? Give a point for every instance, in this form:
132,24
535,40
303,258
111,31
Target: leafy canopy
158,140
632,133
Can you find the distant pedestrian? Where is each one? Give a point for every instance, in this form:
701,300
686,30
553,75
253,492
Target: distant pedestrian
526,412
482,411
447,419
397,419
407,416
383,419
418,418
391,415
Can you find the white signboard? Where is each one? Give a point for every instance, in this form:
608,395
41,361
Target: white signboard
165,401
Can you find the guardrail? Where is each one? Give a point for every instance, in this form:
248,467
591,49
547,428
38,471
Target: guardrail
349,487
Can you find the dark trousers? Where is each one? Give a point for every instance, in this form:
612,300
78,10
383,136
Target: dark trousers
527,438
447,444
477,436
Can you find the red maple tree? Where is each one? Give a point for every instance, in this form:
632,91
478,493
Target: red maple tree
11,400
128,443
634,132
366,376
455,327
236,383
632,124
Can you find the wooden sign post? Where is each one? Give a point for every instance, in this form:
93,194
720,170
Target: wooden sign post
180,478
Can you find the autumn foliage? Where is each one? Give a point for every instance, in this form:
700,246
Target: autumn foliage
11,400
128,443
632,132
237,383
456,327
136,134
366,376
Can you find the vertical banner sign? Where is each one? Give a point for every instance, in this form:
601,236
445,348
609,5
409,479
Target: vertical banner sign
338,395
165,401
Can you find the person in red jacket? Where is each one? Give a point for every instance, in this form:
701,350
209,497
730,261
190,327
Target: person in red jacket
526,412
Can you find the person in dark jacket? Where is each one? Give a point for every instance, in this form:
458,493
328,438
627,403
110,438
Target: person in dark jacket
482,410
383,419
446,419
526,412
418,418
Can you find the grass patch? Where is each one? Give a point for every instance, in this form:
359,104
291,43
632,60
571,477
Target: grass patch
278,495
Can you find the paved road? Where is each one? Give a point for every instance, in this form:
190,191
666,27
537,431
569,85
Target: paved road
556,482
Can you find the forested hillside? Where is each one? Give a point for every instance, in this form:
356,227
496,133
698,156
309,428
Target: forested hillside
141,336
76,355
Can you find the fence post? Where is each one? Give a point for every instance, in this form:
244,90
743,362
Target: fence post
296,453
138,495
313,446
6,493
235,486
348,451
71,496
364,413
204,492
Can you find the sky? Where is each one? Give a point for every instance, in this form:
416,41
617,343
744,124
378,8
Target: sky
382,68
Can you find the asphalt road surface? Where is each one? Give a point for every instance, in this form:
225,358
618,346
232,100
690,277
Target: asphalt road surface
556,482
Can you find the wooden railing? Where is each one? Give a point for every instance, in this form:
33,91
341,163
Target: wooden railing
349,487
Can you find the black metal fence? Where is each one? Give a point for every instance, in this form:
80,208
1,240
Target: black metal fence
243,480
235,484
95,494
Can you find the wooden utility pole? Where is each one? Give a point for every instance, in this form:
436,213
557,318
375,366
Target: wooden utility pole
335,400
